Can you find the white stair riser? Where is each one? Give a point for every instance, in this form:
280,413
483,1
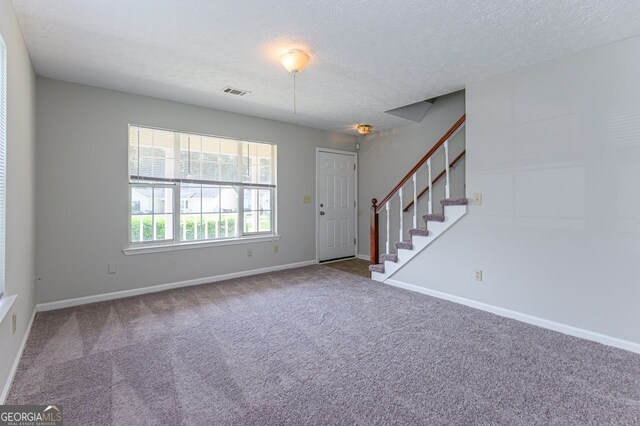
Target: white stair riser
377,276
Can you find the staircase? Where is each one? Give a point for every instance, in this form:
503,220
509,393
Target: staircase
384,266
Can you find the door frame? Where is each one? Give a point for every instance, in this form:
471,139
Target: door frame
355,197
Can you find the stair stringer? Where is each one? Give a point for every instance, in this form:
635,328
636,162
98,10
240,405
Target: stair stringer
452,214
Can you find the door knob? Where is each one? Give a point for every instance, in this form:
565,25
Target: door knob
321,213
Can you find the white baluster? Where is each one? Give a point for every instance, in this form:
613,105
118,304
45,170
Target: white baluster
401,217
387,209
447,193
430,207
415,201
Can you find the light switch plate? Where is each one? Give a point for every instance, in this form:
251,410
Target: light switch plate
306,199
112,268
477,198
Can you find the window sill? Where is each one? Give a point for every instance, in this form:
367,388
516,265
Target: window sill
201,244
5,305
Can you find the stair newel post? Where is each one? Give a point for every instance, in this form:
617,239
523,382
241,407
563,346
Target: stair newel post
430,204
374,234
388,236
401,215
415,200
447,192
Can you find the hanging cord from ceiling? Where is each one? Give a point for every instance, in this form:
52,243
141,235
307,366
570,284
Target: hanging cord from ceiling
294,93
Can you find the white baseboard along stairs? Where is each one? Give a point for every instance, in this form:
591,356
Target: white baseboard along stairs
420,239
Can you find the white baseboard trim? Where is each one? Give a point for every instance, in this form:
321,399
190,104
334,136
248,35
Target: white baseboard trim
60,304
363,256
529,319
7,386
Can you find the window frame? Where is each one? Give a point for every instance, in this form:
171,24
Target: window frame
4,87
153,187
271,210
175,183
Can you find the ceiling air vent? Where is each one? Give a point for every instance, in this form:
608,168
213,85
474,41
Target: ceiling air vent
236,92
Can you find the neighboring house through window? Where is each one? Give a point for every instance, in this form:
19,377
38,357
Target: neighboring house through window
187,187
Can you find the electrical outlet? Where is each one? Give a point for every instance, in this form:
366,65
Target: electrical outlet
477,198
249,252
478,275
276,248
14,322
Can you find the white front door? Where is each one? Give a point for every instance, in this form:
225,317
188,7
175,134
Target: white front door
336,208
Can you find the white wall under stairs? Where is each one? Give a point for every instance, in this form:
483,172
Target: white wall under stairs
452,214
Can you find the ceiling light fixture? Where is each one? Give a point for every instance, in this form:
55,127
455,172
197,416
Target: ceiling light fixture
364,129
294,61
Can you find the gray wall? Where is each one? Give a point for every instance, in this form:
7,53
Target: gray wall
20,187
386,156
555,150
82,161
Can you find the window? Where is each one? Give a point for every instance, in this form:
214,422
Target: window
3,160
186,187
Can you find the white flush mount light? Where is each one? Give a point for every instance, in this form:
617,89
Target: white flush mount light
294,61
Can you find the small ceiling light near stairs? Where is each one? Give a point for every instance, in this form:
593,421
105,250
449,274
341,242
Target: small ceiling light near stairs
294,61
364,129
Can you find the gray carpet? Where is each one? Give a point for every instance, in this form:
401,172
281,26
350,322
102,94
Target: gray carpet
316,346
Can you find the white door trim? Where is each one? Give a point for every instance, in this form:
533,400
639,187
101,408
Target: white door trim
355,196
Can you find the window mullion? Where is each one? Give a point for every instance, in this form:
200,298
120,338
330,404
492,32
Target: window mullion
176,213
177,157
197,236
240,220
153,213
274,192
240,175
272,213
177,167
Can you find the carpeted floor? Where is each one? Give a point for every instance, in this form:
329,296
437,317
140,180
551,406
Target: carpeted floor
316,346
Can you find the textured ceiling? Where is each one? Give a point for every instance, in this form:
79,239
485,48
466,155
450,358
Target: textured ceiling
367,56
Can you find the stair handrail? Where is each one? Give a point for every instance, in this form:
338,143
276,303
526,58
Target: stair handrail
436,179
377,207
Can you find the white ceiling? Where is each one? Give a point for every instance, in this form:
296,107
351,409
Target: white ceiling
367,56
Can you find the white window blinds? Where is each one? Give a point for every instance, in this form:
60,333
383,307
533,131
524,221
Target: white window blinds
165,155
3,160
